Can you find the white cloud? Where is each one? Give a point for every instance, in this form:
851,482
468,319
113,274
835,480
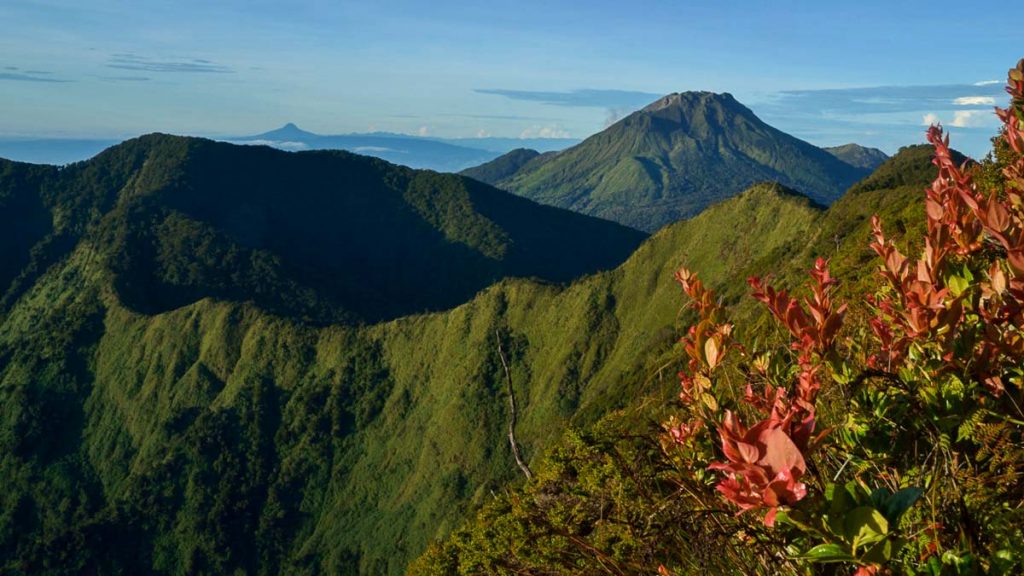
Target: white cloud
551,131
929,119
988,82
968,118
283,144
423,131
975,101
481,133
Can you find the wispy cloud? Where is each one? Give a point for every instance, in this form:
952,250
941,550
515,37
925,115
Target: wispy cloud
29,76
962,119
550,131
975,101
888,99
500,117
584,97
972,119
282,144
144,63
126,78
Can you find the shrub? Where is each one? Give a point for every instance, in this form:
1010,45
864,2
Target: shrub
919,469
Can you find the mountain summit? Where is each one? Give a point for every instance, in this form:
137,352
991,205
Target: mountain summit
673,158
288,132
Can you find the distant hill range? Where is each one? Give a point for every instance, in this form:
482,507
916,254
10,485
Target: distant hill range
440,154
669,161
859,156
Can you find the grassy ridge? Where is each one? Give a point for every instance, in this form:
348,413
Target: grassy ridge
599,499
219,436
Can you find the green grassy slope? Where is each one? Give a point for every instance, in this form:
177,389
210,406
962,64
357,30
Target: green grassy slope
584,486
674,158
218,437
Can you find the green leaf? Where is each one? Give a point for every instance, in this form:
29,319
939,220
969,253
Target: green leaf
1003,563
843,501
898,503
957,284
828,553
864,525
879,553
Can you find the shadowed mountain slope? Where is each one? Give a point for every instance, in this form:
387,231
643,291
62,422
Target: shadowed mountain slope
324,236
501,167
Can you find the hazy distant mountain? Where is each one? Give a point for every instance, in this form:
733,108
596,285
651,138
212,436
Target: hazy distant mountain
441,154
411,151
859,156
675,157
504,145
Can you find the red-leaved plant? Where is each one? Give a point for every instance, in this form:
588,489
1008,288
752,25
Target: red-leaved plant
931,385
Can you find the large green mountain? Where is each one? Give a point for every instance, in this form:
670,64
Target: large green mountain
675,157
220,430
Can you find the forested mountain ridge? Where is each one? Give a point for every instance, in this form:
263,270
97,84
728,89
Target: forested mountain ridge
224,435
325,236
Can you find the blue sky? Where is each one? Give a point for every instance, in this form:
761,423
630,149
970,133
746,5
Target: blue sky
868,71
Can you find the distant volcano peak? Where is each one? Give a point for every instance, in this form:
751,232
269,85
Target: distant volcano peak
288,132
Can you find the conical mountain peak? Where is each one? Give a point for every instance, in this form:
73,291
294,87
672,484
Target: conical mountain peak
287,132
676,156
690,100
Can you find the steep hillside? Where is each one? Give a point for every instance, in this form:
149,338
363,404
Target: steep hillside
596,501
674,158
859,156
324,236
219,437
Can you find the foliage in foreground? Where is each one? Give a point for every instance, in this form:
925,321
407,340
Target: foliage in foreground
882,436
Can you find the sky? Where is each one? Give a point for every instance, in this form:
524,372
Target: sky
872,72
